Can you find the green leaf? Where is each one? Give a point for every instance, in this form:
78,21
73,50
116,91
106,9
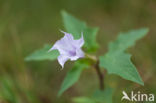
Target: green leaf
118,62
99,96
90,39
76,27
72,77
43,54
83,100
127,39
104,96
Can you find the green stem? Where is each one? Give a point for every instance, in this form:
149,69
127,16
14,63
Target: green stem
98,71
100,75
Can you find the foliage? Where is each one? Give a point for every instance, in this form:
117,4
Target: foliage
43,54
72,76
98,97
118,62
115,61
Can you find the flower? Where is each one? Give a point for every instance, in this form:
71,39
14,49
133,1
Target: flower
68,48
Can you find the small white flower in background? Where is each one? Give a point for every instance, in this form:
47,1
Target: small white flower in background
68,48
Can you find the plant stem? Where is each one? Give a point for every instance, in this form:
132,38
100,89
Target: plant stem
98,71
100,75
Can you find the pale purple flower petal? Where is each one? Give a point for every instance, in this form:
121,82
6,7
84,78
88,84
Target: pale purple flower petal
68,48
80,53
62,59
80,42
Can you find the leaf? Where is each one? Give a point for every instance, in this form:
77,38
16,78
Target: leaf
103,96
98,97
83,100
90,41
127,39
118,62
43,54
72,77
76,27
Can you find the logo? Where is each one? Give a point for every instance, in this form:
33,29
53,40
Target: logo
137,96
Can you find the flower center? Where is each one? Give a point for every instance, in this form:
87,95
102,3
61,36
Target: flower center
72,53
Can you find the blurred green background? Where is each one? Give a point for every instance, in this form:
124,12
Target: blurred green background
26,25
